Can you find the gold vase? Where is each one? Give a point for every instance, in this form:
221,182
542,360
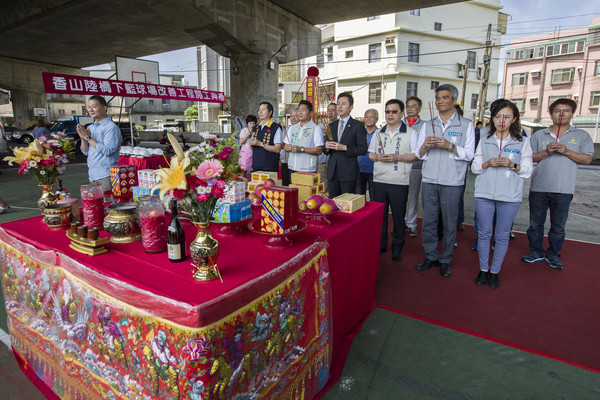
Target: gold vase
48,196
122,223
204,251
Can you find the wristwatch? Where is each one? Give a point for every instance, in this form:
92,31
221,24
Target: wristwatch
262,145
87,138
452,148
514,167
301,149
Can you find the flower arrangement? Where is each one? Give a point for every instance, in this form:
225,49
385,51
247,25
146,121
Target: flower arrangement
45,158
197,178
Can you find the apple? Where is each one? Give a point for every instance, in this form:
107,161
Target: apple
258,190
269,182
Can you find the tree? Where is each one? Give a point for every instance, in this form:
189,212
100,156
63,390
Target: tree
191,113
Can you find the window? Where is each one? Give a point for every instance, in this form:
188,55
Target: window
329,53
166,103
373,18
520,103
597,69
416,12
411,89
474,98
349,53
320,60
143,118
434,85
437,26
375,92
73,112
297,96
565,48
374,52
413,52
61,112
519,79
150,102
471,59
552,99
562,75
595,99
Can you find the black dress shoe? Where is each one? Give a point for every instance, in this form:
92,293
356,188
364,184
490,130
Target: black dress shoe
445,270
493,281
396,256
427,264
482,278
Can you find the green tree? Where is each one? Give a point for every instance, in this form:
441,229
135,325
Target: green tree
191,113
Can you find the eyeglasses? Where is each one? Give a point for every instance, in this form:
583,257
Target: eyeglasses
392,111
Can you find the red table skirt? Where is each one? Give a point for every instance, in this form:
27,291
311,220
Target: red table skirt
153,162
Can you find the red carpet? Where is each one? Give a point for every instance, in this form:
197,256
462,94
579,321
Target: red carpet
545,311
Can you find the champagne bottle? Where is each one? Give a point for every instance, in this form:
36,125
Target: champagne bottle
175,236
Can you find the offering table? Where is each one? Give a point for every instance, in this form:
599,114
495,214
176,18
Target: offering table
128,324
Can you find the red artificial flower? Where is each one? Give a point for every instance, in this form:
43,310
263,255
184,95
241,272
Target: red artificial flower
228,149
217,191
223,156
220,184
213,143
203,197
193,182
48,161
178,193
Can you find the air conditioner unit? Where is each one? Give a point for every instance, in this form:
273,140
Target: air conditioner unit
533,100
390,41
535,74
461,70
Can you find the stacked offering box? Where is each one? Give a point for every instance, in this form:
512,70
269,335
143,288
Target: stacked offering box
226,212
235,192
279,214
122,179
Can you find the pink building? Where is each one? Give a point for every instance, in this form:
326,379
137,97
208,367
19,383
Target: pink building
540,69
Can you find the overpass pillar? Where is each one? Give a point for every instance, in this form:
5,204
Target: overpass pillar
23,101
252,82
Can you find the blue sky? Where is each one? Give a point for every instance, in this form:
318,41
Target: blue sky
527,17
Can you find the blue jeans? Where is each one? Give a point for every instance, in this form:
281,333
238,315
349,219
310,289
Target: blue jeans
539,203
505,213
365,179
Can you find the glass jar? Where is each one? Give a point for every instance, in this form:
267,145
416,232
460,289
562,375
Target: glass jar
92,205
152,220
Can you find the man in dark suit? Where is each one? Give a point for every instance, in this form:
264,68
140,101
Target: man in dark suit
349,140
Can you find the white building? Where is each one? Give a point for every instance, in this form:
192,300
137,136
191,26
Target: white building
213,74
411,53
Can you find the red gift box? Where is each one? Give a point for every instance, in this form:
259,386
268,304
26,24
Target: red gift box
122,179
279,214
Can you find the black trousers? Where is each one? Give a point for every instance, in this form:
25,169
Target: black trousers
337,187
393,197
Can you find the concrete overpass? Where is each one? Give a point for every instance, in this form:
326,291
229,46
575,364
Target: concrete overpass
66,35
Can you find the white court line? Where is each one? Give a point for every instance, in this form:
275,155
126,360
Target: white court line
5,338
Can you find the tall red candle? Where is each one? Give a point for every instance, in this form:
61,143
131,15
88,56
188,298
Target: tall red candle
93,212
154,233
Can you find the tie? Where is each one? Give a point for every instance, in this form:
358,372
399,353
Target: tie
340,130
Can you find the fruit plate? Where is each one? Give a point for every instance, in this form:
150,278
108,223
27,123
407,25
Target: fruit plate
231,229
318,218
276,240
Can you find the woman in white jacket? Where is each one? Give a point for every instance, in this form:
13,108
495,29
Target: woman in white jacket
503,160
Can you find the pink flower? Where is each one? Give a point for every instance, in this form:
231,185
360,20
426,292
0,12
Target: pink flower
220,184
48,161
203,197
209,169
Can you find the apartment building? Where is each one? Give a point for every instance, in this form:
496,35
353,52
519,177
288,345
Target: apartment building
540,69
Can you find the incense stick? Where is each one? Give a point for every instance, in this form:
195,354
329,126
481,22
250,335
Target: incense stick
431,114
559,124
380,142
501,135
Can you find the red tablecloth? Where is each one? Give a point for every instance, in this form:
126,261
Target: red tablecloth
247,269
152,162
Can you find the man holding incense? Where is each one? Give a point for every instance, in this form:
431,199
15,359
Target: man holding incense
446,145
393,149
557,151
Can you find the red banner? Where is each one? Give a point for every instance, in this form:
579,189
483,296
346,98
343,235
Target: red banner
312,95
83,85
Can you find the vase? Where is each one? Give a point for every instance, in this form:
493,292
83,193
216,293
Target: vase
204,251
57,216
48,196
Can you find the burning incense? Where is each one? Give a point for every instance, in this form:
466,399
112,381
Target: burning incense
559,124
431,114
380,142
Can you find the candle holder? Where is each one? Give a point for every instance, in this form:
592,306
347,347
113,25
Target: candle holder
152,221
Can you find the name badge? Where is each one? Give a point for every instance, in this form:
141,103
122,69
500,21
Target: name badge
512,151
455,133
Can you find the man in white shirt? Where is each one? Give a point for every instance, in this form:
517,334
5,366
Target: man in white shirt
303,141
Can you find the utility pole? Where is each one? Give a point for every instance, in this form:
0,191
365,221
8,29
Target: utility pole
486,74
464,84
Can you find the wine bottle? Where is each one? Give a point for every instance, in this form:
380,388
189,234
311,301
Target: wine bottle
175,236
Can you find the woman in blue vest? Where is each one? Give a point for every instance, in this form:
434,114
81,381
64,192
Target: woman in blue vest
503,160
266,140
